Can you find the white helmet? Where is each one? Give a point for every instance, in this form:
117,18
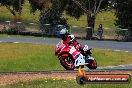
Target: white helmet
85,48
63,31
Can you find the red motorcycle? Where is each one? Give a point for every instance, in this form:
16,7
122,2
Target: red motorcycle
68,53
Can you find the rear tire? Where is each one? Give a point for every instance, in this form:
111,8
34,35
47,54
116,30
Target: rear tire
68,65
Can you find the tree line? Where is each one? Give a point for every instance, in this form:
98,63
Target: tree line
52,10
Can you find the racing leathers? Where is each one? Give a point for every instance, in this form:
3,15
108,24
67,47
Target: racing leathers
71,40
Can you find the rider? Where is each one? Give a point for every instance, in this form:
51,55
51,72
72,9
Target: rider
71,40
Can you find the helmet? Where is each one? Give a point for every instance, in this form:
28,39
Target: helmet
63,31
64,34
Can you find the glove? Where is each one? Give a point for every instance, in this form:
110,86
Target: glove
71,41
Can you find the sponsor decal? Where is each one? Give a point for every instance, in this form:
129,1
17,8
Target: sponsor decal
104,78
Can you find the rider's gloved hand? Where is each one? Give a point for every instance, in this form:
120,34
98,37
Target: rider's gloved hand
72,41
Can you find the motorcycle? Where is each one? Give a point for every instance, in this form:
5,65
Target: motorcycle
68,53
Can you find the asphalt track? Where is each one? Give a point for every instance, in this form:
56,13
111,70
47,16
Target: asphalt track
64,71
119,68
114,45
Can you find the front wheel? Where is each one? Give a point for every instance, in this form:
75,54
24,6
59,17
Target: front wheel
92,64
67,62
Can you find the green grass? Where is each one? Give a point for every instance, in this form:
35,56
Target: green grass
26,57
109,57
26,15
63,84
16,36
106,18
17,57
24,36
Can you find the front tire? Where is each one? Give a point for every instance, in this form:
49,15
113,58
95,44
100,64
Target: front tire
92,64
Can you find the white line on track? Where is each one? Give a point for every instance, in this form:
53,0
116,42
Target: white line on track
116,50
15,42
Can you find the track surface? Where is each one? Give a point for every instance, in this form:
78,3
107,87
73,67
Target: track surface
125,46
64,71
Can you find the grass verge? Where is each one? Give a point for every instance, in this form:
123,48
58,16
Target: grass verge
25,36
16,36
26,57
106,57
63,84
16,57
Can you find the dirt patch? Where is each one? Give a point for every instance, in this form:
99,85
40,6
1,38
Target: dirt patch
15,78
10,79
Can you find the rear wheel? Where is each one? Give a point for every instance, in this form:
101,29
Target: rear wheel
67,62
92,64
